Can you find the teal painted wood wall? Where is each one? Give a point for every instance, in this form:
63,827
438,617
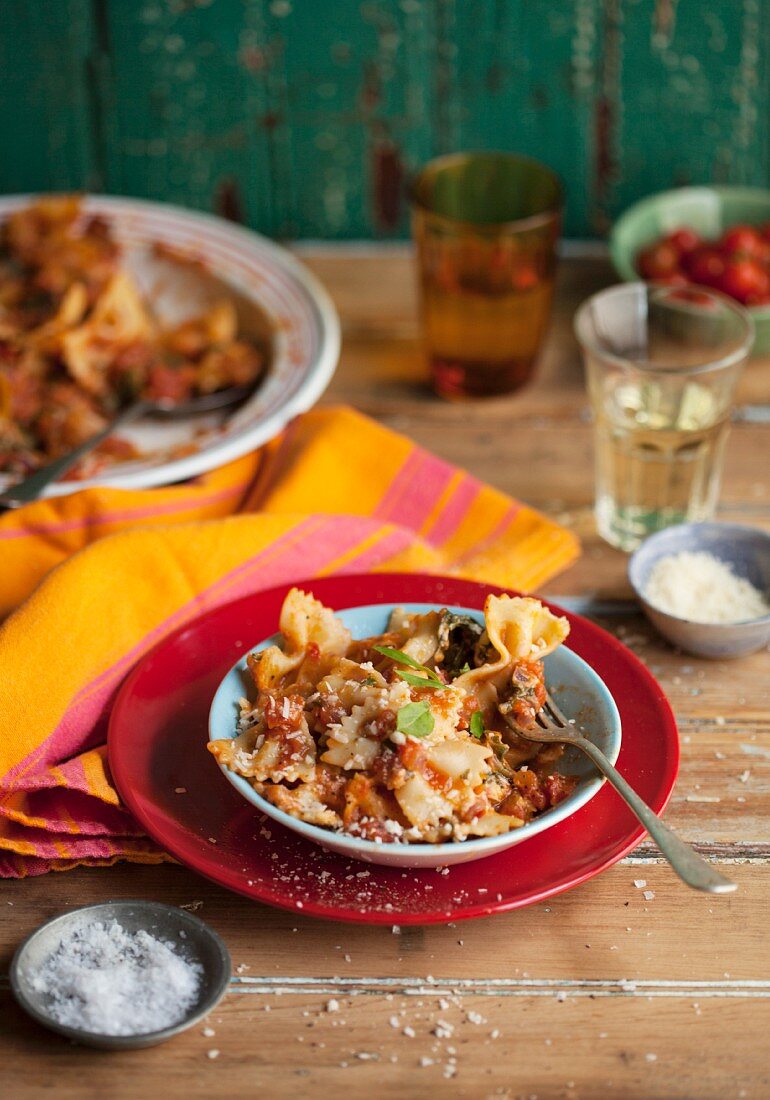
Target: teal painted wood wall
302,118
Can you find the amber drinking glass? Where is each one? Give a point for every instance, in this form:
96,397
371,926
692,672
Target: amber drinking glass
486,227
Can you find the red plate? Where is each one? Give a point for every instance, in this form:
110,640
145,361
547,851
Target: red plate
157,743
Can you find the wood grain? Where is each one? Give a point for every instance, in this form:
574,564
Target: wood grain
308,126
597,993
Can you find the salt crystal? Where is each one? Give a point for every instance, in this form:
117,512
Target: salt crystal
409,1032
212,1054
640,883
649,895
208,1032
650,1057
332,1005
113,982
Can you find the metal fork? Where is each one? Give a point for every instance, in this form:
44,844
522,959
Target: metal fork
692,868
33,486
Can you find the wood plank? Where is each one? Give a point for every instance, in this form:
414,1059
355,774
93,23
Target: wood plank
580,936
498,1047
375,292
49,76
588,1001
186,102
308,126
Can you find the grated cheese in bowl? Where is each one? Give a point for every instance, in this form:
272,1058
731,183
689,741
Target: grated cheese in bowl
698,587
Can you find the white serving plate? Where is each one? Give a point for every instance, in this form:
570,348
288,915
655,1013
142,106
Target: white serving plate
273,292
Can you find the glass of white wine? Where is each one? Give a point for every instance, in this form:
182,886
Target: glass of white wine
661,366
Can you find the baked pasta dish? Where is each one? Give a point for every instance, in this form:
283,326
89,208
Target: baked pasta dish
78,340
409,736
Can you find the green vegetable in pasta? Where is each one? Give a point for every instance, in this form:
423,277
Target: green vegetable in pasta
429,680
458,636
415,720
398,656
477,724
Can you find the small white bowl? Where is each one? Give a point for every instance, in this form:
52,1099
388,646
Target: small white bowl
745,549
579,691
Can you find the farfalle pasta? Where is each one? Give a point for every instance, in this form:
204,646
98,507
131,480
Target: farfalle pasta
409,736
78,341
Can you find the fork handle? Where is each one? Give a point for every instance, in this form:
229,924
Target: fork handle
32,487
691,867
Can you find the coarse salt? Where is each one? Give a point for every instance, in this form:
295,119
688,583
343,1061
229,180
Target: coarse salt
701,588
113,982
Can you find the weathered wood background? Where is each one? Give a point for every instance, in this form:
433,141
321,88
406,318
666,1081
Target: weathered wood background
303,117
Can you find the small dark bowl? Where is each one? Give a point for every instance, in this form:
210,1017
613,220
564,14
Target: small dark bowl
199,944
745,549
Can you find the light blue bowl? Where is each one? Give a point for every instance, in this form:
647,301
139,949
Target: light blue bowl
745,549
579,691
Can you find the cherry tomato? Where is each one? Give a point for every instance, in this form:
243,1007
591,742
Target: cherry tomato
765,231
745,279
684,240
706,266
524,278
758,300
658,260
741,238
694,296
676,278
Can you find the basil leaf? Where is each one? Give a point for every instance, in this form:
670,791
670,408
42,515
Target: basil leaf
397,655
477,727
415,720
420,681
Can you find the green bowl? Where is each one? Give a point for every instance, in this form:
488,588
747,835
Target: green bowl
707,210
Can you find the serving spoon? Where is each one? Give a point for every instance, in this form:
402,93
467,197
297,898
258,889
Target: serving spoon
30,488
692,868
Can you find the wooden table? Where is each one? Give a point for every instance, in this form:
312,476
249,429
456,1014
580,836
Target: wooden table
600,992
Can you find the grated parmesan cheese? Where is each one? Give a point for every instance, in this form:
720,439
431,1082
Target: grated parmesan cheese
702,589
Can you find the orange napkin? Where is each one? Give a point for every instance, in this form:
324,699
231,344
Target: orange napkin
336,493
